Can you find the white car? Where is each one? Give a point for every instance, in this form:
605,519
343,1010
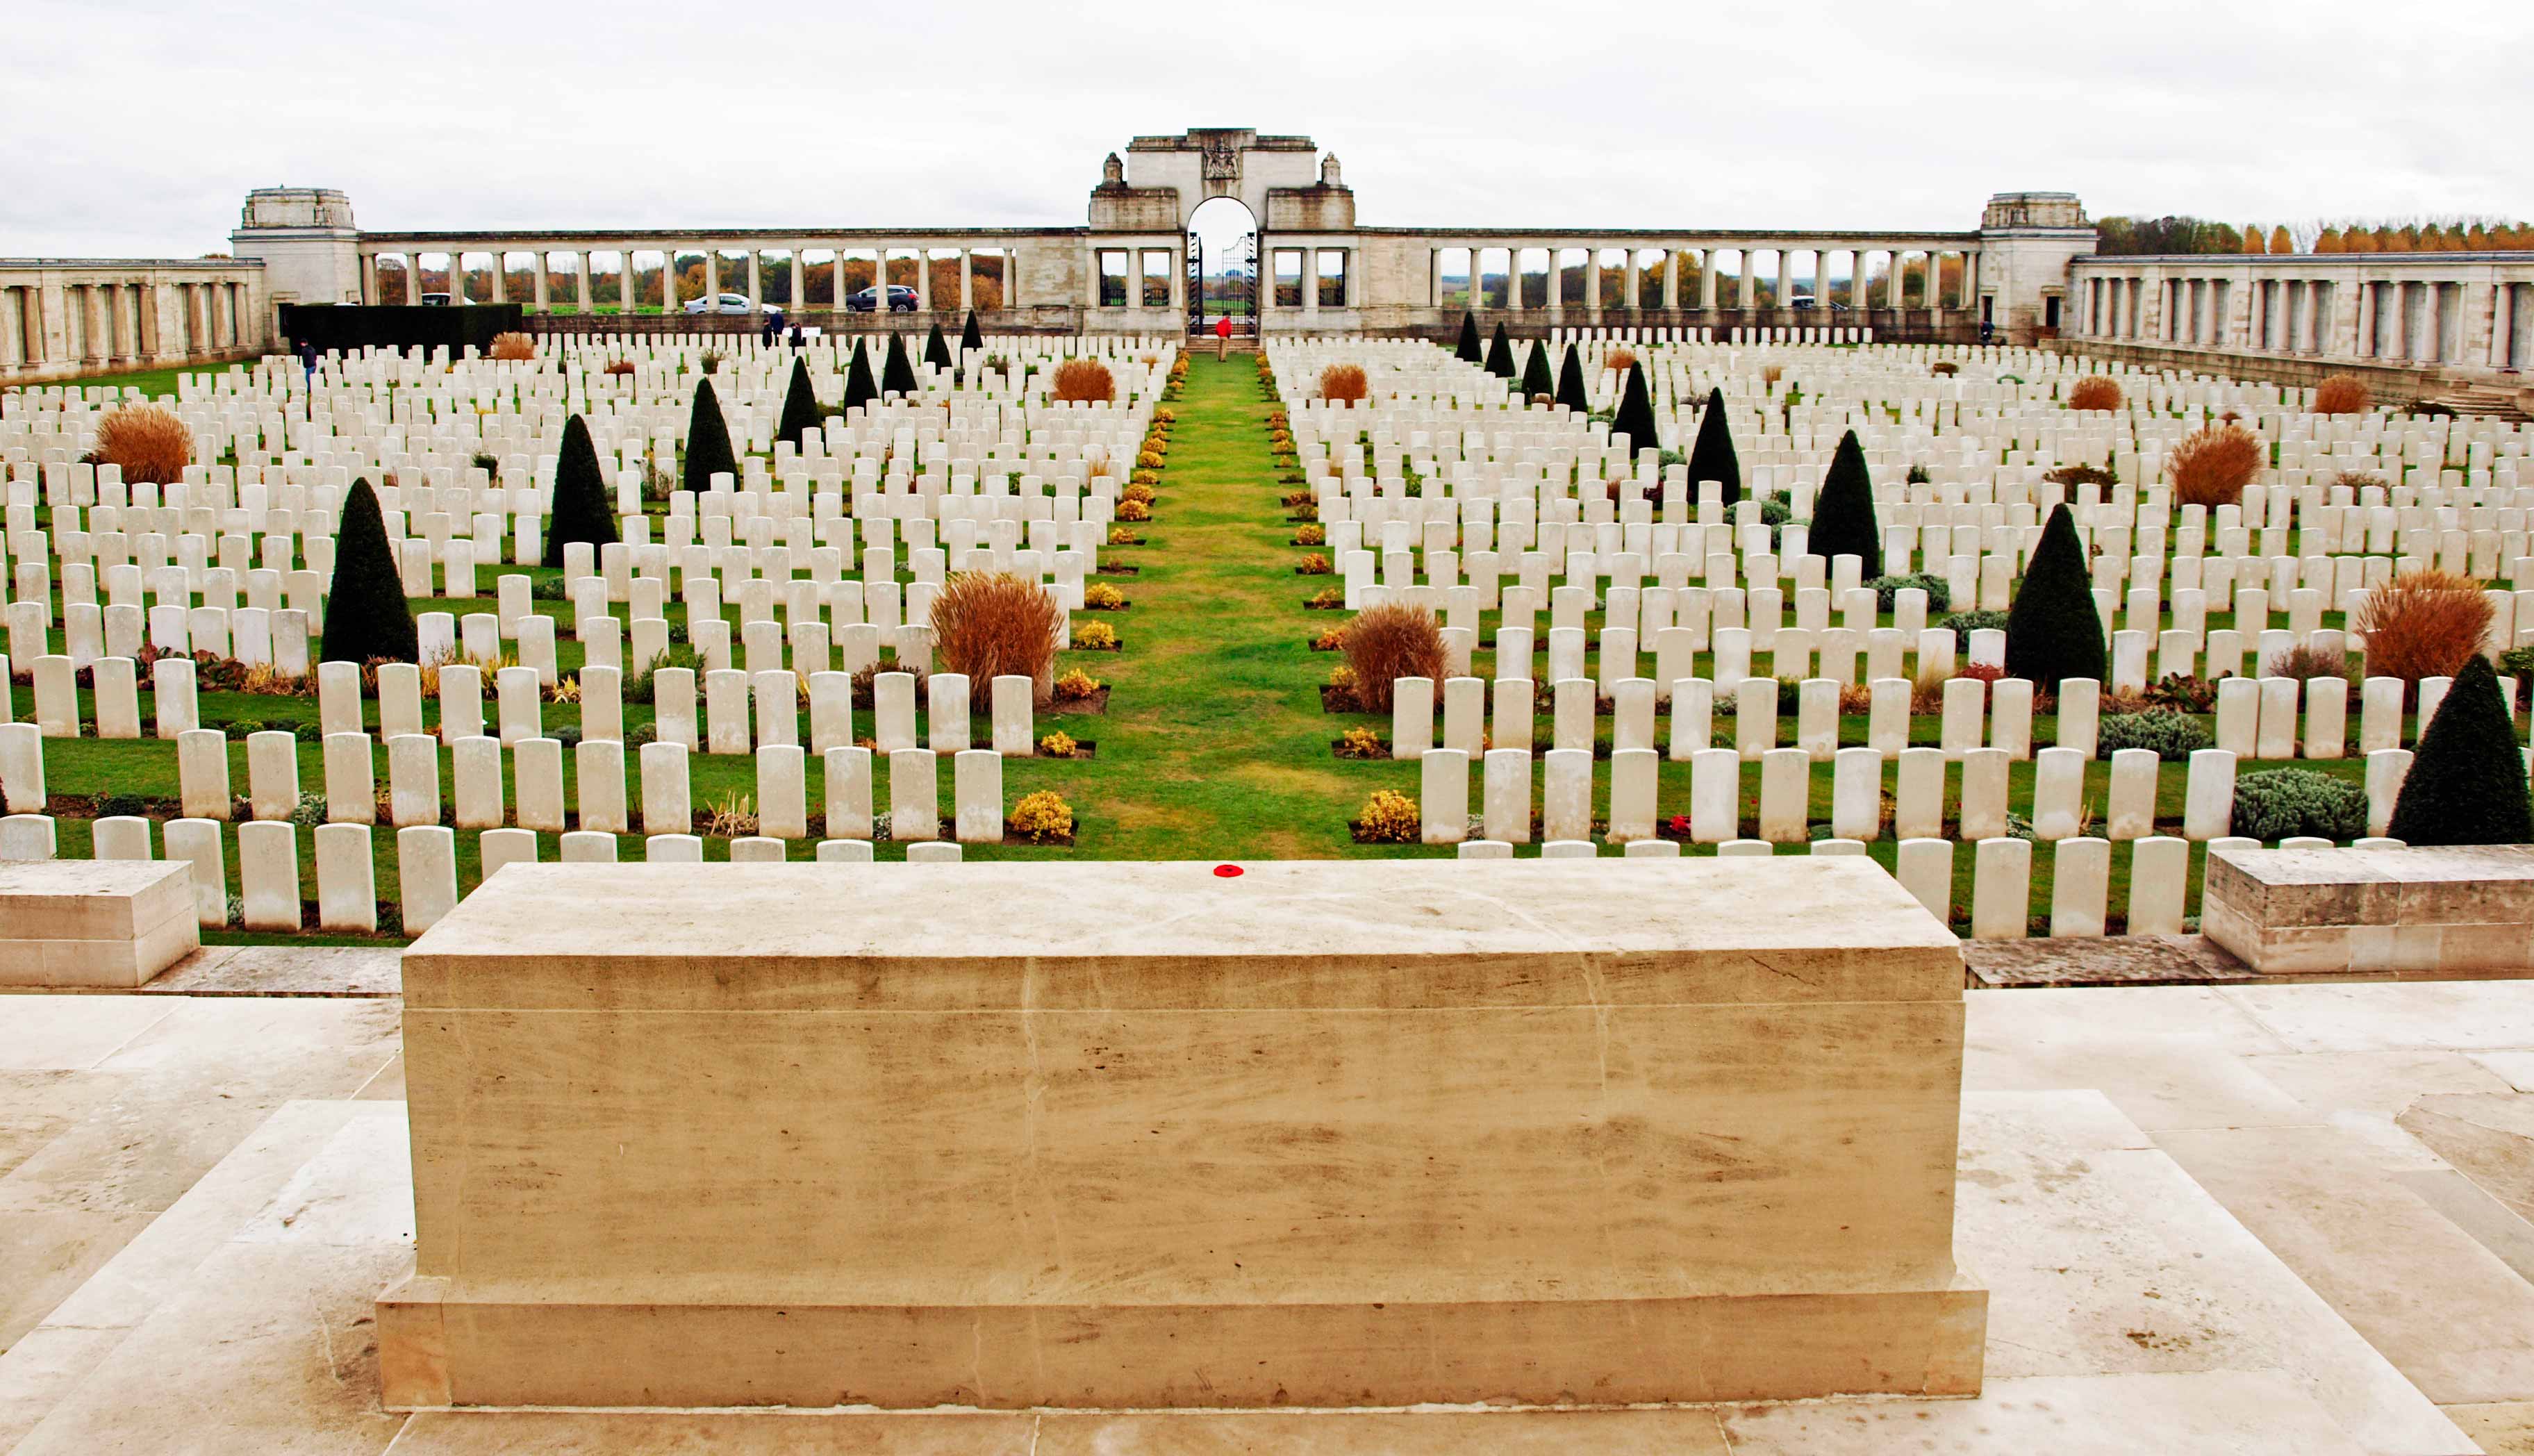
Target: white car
730,303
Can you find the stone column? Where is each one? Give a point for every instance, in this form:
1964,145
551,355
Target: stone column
1786,278
924,280
1670,280
1513,279
197,320
1742,282
967,281
756,280
580,279
501,277
800,282
1310,284
543,264
1632,280
1593,282
1012,277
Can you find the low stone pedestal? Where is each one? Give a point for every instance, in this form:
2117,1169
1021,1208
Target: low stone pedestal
2421,912
94,923
1134,1135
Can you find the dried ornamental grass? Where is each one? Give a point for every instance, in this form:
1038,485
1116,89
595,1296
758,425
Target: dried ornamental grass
1390,641
1618,361
2343,393
1084,380
2423,625
149,444
1343,383
990,624
2212,467
513,345
2094,392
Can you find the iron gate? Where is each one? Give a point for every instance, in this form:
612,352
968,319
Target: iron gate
1233,294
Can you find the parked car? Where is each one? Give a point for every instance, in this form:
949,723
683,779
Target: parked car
730,303
436,300
901,299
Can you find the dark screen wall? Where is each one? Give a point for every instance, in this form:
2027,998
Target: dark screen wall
345,328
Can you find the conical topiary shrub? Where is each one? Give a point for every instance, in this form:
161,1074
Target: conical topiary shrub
579,509
1467,352
799,405
2468,779
366,613
1843,511
2053,632
1570,383
858,389
898,373
1537,381
707,440
1712,457
937,350
1500,355
1636,413
970,337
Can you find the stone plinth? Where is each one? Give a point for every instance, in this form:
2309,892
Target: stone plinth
1136,1135
2430,912
94,923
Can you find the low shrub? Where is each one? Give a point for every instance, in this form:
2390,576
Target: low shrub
2423,625
2094,392
2343,393
1393,641
618,368
1327,597
2170,736
1134,511
1962,624
1094,637
1944,369
2181,692
1311,535
148,443
1076,684
2081,474
1314,565
2285,802
1334,640
1343,383
2212,467
1086,380
1389,818
1119,535
1619,362
513,345
1057,745
1361,742
2358,480
1886,591
1099,596
1041,818
1138,490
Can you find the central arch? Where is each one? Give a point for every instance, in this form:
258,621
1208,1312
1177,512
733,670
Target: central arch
1223,266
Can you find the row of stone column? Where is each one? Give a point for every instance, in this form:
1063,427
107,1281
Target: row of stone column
544,269
121,320
2478,321
1705,261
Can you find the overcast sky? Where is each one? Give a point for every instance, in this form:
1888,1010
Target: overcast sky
137,128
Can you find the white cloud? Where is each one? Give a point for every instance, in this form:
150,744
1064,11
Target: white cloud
139,127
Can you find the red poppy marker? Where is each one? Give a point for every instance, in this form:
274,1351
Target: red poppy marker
1227,872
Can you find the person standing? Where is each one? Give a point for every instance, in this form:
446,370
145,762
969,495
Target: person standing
1223,336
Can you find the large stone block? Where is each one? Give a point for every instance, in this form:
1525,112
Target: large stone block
2411,912
94,923
1322,1135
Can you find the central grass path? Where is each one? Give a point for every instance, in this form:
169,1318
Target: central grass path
1215,745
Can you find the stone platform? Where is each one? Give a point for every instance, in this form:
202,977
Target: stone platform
2266,1219
1137,1136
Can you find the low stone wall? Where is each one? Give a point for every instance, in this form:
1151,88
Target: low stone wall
2393,383
1145,1135
94,923
2426,912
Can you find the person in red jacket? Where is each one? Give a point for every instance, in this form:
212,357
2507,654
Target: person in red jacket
1222,335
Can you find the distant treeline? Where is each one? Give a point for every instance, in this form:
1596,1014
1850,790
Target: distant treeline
2131,235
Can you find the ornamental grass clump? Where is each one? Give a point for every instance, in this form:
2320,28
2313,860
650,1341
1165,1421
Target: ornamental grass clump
148,443
2094,392
513,345
992,623
1390,641
1343,383
1084,380
2343,393
2212,467
2423,625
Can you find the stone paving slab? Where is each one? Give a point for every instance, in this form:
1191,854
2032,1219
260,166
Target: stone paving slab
2119,960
